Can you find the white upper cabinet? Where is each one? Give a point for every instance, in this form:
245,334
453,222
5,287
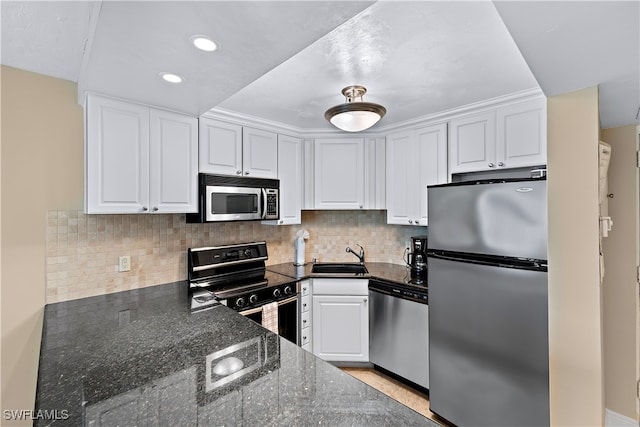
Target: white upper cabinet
220,147
472,143
230,149
291,180
339,173
259,153
509,136
415,159
522,134
139,159
173,169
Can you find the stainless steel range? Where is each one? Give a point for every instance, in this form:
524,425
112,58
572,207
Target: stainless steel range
236,276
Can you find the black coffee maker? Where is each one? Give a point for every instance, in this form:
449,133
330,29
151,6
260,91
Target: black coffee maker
417,259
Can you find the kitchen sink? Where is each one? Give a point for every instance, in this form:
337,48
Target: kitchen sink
338,268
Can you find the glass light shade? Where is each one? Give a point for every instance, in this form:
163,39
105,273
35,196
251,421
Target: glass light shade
355,115
355,121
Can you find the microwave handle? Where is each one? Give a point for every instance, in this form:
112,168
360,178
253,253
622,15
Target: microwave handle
264,203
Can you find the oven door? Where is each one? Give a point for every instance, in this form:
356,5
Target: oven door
227,203
287,318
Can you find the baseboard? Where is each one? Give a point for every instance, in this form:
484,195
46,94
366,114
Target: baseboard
613,419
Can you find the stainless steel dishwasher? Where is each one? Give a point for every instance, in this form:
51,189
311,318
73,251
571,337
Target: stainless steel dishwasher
399,330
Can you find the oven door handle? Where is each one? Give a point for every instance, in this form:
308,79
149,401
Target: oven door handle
259,309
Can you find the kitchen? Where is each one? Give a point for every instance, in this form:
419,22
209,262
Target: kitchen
331,231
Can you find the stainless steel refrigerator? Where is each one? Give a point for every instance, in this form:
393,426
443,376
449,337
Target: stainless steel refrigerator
487,279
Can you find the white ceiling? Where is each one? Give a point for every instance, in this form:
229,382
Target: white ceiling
287,61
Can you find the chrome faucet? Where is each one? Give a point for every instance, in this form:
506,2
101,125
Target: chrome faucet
360,255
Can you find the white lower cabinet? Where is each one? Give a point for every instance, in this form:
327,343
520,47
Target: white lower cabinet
340,319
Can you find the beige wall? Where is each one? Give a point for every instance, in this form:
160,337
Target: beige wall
42,169
620,287
575,321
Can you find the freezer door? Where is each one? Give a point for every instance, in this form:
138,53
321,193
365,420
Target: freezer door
488,348
506,219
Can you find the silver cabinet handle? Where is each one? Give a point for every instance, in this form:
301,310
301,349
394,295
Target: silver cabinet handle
360,206
500,164
491,165
238,172
282,221
304,321
144,209
364,300
417,222
246,173
155,209
410,221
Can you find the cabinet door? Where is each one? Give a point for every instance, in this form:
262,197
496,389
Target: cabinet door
290,176
415,159
340,328
522,134
220,147
431,150
259,153
117,157
402,161
173,167
472,143
339,173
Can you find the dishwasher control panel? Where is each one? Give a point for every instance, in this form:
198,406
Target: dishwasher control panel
418,295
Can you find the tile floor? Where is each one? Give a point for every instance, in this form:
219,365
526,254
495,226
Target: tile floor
393,388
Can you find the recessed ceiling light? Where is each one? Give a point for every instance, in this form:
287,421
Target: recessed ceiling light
204,43
171,78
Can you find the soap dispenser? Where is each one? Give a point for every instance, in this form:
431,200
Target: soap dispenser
299,246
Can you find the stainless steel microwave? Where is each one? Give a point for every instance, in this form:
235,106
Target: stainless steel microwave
230,198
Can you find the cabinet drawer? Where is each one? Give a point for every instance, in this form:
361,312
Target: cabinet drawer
305,287
340,286
305,338
306,303
306,319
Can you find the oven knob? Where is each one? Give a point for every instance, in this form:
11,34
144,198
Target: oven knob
253,299
277,293
287,290
240,302
247,253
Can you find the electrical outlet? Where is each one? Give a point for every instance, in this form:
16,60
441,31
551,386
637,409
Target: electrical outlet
124,263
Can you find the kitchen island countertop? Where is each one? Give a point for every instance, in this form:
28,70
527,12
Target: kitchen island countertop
142,357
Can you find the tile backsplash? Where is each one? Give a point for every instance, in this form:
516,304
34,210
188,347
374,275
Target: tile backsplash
83,250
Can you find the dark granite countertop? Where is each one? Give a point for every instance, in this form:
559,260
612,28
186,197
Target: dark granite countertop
142,357
387,272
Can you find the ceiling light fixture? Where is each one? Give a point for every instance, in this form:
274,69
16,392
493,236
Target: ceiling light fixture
204,43
171,78
355,115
